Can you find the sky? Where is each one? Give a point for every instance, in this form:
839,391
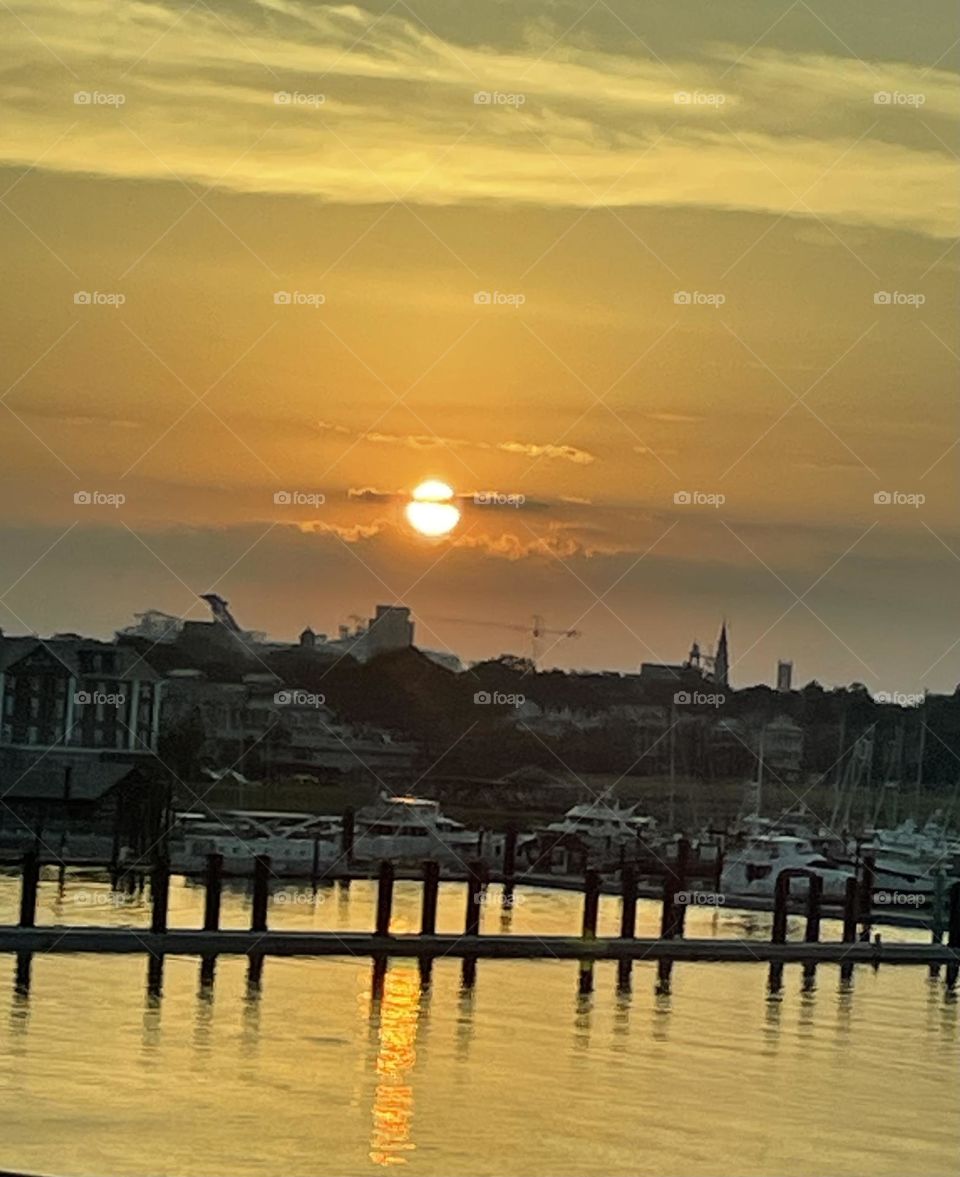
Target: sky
680,279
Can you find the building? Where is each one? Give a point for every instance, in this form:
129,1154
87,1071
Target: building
721,660
781,745
262,728
76,695
79,724
784,677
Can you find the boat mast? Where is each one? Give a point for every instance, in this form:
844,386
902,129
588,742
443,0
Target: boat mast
918,783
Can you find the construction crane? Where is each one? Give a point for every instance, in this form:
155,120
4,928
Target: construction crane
536,631
218,607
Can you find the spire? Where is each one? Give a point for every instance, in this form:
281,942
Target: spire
721,664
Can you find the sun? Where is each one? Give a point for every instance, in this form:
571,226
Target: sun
430,510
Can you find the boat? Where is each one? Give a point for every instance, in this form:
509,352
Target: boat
413,829
296,843
600,826
908,857
752,868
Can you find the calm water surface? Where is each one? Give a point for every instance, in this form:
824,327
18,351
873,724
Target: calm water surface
313,1074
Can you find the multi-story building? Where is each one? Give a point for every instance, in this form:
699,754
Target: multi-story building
76,695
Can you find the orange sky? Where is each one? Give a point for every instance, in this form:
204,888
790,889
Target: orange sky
786,172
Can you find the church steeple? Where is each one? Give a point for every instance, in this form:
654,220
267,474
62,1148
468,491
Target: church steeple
721,663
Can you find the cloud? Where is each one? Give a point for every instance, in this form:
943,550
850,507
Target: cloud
388,109
676,418
568,453
426,441
368,494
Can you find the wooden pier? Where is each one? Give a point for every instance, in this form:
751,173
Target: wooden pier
209,941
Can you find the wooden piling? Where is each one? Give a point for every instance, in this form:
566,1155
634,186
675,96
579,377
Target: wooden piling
814,904
781,893
347,834
778,934
29,882
431,886
953,934
591,903
254,973
509,865
21,980
159,896
938,913
208,974
261,892
812,931
384,898
214,887
628,901
672,916
683,882
591,909
851,909
471,923
866,896
154,977
628,922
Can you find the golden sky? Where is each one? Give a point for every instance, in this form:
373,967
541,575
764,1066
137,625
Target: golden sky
688,219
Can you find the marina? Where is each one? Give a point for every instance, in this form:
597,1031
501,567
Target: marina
250,1070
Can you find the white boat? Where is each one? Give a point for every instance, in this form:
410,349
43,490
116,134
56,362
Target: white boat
294,842
907,857
413,829
753,867
603,826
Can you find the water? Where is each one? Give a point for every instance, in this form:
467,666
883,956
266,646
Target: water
315,1075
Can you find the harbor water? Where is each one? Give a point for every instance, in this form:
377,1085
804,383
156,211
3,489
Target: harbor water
315,1072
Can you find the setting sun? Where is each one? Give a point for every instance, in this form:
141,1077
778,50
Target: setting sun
430,511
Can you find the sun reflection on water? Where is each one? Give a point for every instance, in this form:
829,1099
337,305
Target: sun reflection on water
398,1015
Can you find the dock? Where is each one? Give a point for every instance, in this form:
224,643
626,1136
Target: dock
856,945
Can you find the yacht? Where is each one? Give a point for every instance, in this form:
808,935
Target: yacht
603,826
404,828
753,867
295,842
907,857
